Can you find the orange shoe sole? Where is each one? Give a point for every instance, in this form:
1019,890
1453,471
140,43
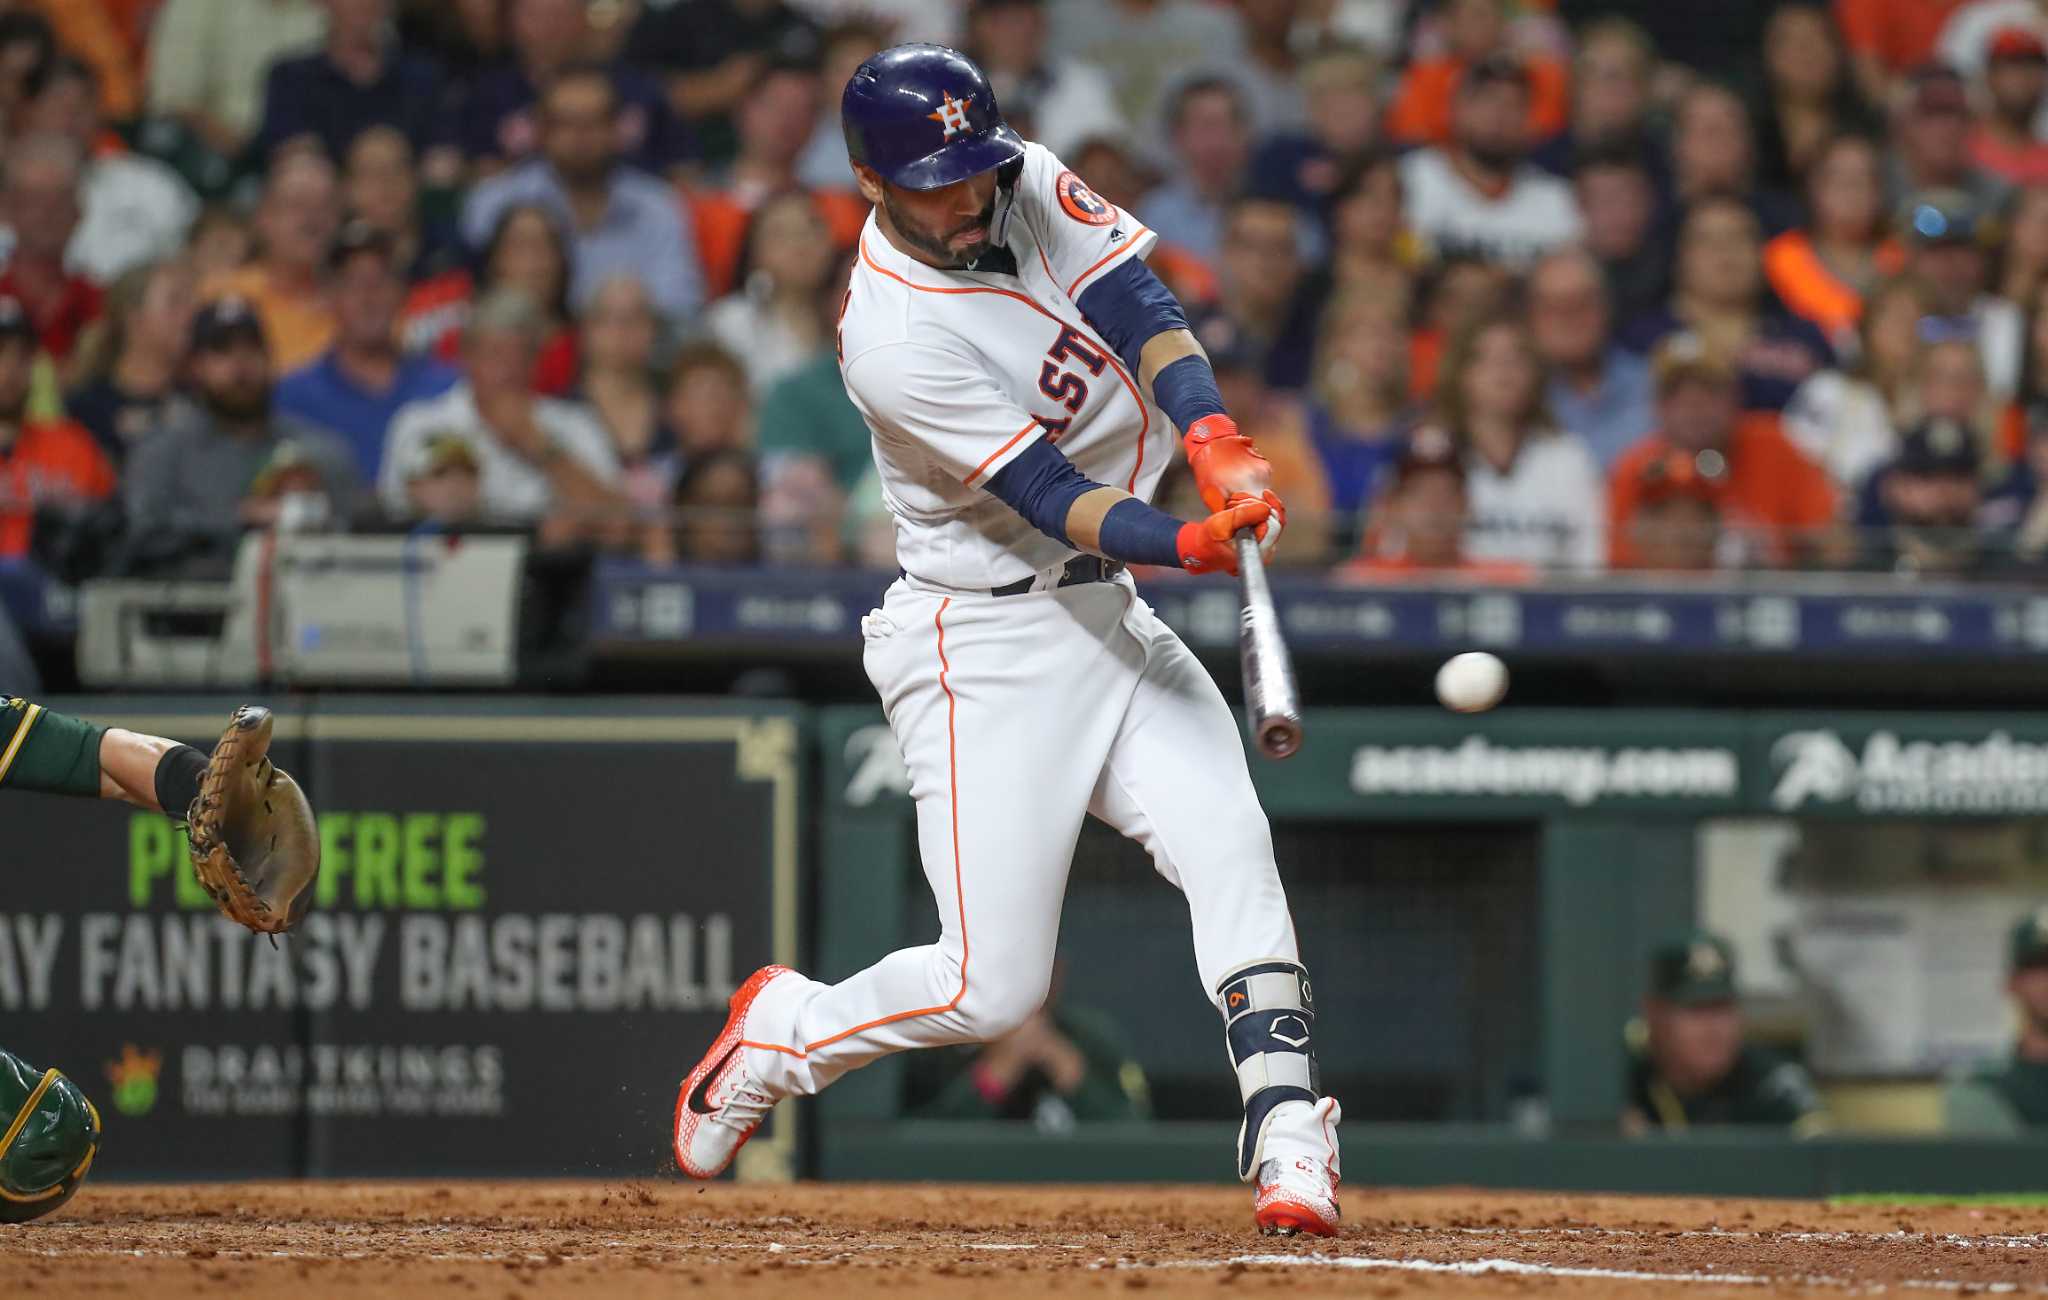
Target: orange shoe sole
1286,1219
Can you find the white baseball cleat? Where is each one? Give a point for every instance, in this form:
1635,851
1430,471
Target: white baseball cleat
721,1103
1295,1197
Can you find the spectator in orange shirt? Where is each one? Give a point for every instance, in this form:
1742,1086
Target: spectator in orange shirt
1418,529
287,283
1676,527
2015,83
774,125
1887,37
1822,271
39,202
1474,31
1779,503
43,463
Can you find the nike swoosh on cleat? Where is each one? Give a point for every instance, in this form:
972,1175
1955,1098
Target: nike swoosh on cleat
697,1099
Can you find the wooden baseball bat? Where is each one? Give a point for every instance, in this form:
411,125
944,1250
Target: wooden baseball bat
1272,701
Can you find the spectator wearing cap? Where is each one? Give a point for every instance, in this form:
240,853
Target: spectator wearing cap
1845,418
359,78
1676,527
1927,501
1808,96
43,463
381,186
1616,188
287,283
711,52
1211,132
1820,271
1477,194
1713,155
2016,88
1595,387
1689,1064
1966,37
1887,39
1359,412
2004,1098
1067,100
1931,134
1147,50
773,126
208,60
1424,110
1418,525
39,201
1535,488
444,483
542,461
191,487
1720,294
133,209
356,388
504,118
1944,235
621,221
1779,504
131,362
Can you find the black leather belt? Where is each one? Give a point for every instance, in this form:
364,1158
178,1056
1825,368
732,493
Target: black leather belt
1080,569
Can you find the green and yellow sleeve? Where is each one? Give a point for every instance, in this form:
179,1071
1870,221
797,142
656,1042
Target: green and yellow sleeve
47,752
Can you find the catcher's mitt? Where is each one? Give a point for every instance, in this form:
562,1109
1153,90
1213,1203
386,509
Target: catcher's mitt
255,846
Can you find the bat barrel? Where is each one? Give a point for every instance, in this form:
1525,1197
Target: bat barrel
1272,701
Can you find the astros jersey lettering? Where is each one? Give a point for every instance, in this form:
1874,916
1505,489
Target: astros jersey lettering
957,372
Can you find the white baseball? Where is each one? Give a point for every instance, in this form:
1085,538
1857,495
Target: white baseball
1472,682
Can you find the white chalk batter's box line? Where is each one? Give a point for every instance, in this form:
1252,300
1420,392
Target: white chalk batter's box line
833,1252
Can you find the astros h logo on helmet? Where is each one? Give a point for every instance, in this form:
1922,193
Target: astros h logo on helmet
952,114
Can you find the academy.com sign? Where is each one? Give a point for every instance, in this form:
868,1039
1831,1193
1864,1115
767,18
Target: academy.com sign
1994,774
1477,767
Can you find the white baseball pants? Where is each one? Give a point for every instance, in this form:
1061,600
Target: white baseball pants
1015,715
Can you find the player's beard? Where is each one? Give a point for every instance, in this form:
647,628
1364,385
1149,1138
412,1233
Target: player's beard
935,248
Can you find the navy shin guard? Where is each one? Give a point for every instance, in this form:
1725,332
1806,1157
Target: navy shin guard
1269,1013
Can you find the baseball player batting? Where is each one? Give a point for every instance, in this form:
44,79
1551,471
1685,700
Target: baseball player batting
1023,373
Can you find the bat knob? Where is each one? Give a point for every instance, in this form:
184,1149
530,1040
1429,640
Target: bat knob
1279,737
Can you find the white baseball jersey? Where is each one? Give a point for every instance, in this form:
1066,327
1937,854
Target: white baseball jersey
957,372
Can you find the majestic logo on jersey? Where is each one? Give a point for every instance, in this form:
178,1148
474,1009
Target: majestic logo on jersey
1081,203
952,115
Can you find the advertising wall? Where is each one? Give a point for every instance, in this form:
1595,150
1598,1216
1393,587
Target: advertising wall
528,921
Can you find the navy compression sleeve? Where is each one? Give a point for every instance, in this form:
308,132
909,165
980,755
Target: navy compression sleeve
1042,485
1129,305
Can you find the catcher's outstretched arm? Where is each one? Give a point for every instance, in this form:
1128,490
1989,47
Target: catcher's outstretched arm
53,753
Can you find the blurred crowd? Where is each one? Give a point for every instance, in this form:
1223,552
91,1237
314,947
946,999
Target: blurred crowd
1501,287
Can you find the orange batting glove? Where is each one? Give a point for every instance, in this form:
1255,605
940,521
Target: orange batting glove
1229,470
1209,545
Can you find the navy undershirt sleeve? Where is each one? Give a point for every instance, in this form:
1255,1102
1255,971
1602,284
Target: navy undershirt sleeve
1042,485
1129,305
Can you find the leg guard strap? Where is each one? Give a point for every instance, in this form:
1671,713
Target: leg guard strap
1269,1018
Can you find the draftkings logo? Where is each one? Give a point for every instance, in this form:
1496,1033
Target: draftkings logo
134,1079
1992,775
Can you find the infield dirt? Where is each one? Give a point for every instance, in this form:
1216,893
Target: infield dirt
848,1242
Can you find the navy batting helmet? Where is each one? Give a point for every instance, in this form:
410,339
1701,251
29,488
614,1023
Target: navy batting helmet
924,116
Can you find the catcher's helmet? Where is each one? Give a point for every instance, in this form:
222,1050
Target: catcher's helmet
924,116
